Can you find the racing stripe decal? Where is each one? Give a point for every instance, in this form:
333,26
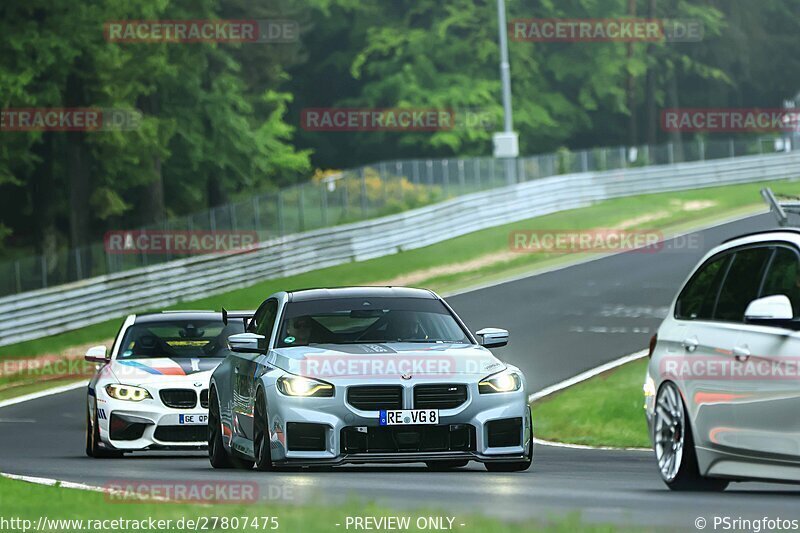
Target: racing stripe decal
159,371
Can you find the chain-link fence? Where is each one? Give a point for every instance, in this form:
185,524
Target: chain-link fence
367,192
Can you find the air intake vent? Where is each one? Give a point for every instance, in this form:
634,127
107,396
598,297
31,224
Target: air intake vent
179,398
439,396
375,397
181,433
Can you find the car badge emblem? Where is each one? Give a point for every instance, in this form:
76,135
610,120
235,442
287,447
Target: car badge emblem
406,376
198,384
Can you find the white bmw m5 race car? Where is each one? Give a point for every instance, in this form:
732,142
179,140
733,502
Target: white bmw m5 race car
151,390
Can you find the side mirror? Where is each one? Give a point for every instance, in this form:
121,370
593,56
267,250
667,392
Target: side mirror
492,337
770,311
96,354
247,343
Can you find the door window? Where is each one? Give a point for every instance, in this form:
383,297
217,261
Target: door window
783,277
267,318
741,284
698,298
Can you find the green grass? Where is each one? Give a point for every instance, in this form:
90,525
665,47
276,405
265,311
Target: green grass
606,410
728,201
27,501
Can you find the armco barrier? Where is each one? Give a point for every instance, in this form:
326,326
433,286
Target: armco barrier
45,312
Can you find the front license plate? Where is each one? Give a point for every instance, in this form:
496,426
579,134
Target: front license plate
405,417
192,420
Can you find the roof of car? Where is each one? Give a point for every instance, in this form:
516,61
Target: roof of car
359,292
795,231
170,316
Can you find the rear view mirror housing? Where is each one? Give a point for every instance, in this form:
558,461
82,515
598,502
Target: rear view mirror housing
773,310
492,337
97,354
247,343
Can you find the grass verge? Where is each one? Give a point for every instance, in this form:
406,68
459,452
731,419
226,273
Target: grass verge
605,410
92,511
483,255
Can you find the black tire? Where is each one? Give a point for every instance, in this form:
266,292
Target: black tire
688,476
93,447
218,456
516,466
442,466
261,440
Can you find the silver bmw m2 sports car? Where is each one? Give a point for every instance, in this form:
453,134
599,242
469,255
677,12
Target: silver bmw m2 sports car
366,375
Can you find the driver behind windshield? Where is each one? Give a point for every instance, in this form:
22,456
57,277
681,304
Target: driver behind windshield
178,339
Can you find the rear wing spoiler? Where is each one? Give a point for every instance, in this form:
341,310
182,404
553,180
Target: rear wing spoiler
244,316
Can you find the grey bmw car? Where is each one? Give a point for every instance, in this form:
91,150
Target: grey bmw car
366,375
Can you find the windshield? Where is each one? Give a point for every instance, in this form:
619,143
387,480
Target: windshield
178,339
368,320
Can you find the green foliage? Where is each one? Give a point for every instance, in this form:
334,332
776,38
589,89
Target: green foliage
209,128
220,120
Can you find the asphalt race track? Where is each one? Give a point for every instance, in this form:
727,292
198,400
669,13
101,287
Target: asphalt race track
561,323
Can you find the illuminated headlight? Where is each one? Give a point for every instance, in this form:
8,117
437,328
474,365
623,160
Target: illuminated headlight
127,392
502,382
305,387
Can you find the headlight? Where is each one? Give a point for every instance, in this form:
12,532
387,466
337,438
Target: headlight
305,387
127,392
502,382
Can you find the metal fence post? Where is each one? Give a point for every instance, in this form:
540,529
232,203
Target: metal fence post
671,153
701,149
256,213
281,222
364,204
324,203
17,276
731,150
44,271
78,269
301,214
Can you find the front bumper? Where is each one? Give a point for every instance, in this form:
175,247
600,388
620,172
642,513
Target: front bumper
148,425
333,419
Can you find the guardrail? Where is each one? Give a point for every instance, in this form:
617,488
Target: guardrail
45,312
361,194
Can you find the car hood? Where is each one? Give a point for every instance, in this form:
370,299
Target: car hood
386,360
139,371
